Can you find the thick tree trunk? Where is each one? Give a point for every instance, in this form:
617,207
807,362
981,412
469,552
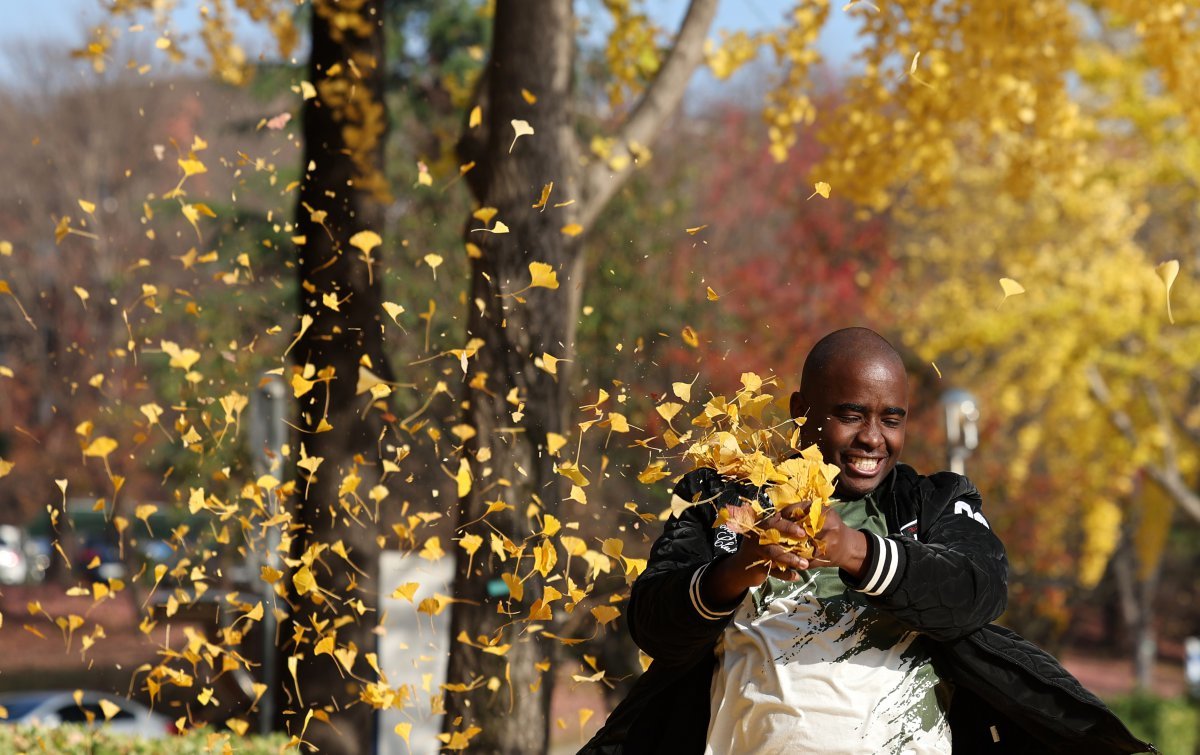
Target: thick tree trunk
342,193
533,49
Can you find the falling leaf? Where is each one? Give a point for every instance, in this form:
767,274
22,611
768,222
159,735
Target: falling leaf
543,275
572,230
695,229
1011,288
365,241
307,90
100,447
529,96
683,390
1168,271
279,121
690,337
476,117
304,581
520,128
550,364
433,260
86,206
822,188
712,295
394,310
541,203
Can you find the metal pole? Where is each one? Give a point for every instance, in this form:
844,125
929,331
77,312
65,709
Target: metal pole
268,434
962,428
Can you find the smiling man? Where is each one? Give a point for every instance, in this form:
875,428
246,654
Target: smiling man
864,648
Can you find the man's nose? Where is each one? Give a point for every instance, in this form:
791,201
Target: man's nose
871,434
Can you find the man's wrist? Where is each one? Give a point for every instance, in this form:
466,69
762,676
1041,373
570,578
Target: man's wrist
854,563
725,581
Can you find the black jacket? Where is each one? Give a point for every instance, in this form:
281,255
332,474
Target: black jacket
941,572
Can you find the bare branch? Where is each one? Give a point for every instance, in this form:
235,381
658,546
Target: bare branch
1103,395
1175,486
1168,477
657,104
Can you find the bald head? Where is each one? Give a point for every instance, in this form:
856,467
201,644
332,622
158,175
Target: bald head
859,345
854,400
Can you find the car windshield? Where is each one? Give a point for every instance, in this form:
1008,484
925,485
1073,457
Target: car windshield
19,707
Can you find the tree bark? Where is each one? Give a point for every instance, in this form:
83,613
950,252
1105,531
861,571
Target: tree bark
342,193
533,49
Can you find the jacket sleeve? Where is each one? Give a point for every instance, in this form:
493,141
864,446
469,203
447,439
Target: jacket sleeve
951,581
667,617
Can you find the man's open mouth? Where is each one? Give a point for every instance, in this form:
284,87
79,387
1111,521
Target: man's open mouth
863,465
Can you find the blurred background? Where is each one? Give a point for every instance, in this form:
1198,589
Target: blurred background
1008,194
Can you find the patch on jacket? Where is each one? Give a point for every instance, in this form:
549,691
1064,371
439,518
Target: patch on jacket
910,529
725,539
962,507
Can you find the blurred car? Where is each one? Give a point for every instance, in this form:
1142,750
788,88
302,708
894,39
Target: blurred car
14,564
55,707
101,560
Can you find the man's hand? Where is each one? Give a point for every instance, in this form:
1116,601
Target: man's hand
725,582
838,544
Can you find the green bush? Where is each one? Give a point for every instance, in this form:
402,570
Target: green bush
1172,724
80,740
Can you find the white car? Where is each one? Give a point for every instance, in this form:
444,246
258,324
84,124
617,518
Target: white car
51,708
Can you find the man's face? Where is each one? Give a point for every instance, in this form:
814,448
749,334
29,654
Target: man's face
856,414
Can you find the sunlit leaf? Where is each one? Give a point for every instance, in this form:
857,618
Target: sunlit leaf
1011,288
520,128
1168,272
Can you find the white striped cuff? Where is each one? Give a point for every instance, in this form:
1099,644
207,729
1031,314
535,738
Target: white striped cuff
698,602
885,559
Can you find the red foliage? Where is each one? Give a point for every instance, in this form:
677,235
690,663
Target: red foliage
789,266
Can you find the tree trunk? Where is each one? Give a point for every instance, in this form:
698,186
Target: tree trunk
343,192
533,49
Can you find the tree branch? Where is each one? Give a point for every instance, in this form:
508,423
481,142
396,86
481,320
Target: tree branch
657,104
1168,477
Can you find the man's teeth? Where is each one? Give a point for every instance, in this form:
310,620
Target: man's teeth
865,465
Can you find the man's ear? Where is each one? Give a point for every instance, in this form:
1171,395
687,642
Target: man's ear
797,406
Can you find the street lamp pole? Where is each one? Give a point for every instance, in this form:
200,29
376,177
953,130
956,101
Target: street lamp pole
962,427
268,434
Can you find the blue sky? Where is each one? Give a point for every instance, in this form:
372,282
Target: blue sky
65,20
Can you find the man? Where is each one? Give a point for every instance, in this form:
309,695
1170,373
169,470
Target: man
878,644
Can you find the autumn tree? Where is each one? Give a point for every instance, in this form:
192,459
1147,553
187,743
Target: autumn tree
528,170
339,216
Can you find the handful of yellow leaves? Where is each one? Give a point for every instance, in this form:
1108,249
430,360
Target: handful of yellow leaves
751,439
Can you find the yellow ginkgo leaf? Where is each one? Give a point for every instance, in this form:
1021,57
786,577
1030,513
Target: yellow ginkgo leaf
690,337
109,709
100,447
822,188
1168,271
433,260
541,203
543,275
474,120
1011,288
365,241
394,310
572,229
520,128
712,295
